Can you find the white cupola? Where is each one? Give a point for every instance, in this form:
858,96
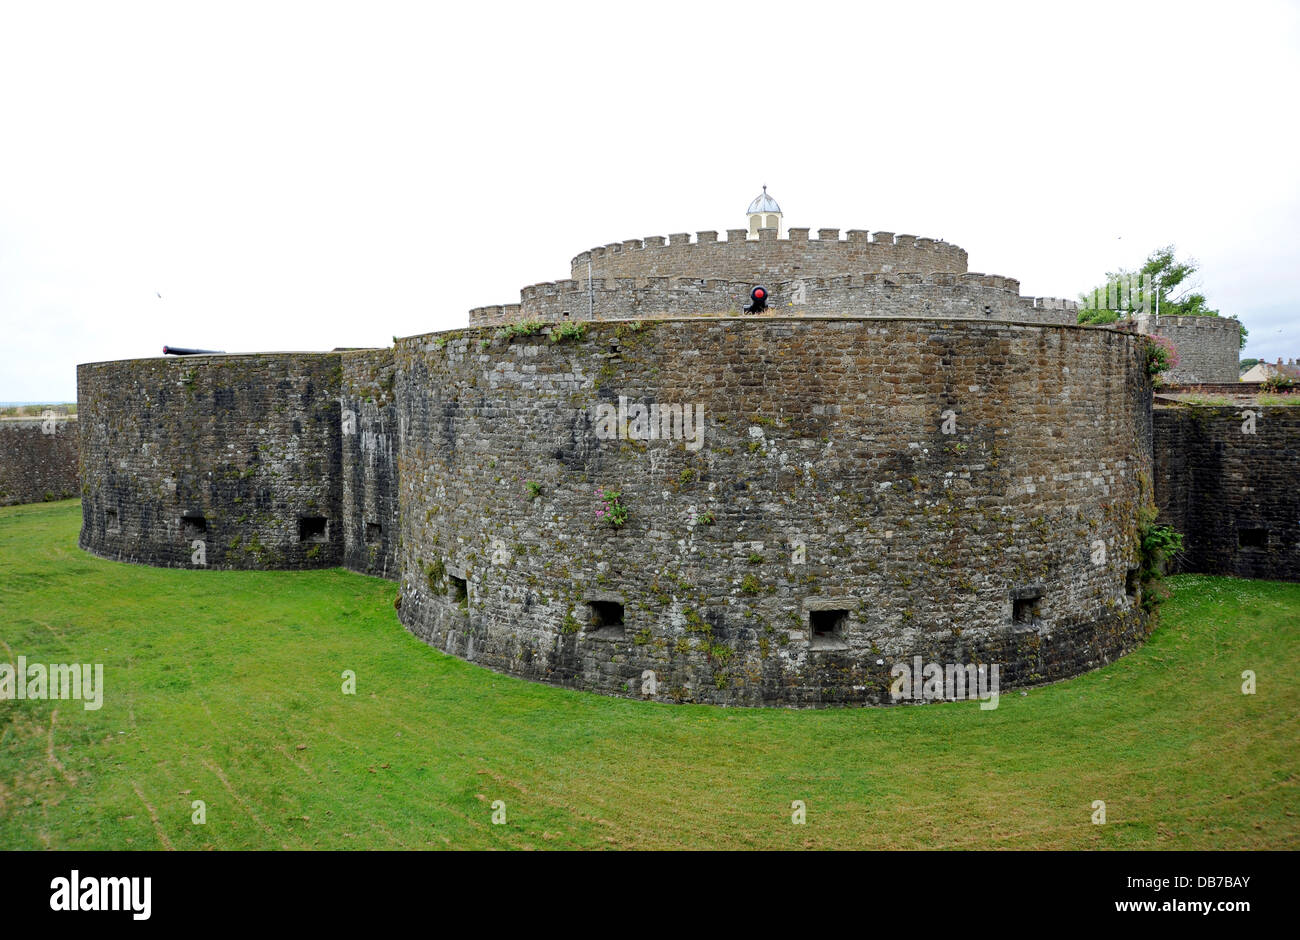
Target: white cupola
764,213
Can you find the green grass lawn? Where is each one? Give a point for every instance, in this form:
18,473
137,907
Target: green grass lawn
226,687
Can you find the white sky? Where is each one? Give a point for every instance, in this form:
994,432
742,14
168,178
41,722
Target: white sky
305,176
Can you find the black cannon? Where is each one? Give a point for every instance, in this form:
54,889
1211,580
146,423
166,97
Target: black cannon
757,300
181,351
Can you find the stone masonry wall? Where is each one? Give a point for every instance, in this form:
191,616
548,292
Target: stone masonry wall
1209,348
227,461
38,459
1232,493
1170,441
369,464
824,491
739,258
964,296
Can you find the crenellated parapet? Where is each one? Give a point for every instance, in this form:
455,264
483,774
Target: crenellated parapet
738,257
966,296
1209,348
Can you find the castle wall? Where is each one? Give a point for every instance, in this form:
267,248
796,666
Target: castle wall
824,482
1232,494
240,453
964,296
1171,441
738,258
369,462
38,459
1209,348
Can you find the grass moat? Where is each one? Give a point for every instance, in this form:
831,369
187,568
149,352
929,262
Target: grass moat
228,688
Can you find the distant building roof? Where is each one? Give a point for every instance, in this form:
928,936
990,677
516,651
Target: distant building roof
1263,370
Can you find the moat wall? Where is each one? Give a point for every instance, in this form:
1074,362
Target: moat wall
269,460
824,490
1229,483
239,453
369,463
38,459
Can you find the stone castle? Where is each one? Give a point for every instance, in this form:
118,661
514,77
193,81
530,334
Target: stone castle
626,484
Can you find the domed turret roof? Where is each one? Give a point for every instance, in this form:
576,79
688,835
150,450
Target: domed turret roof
764,203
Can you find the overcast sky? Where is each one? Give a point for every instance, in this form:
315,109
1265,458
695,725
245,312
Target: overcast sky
308,176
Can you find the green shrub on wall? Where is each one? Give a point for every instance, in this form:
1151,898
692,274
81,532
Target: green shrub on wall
1157,545
1277,383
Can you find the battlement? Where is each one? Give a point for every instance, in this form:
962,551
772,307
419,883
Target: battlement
1209,348
1151,324
969,295
739,257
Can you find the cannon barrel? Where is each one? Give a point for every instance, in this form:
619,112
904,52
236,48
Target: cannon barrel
182,351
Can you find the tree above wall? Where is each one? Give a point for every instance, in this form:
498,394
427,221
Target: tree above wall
1175,291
